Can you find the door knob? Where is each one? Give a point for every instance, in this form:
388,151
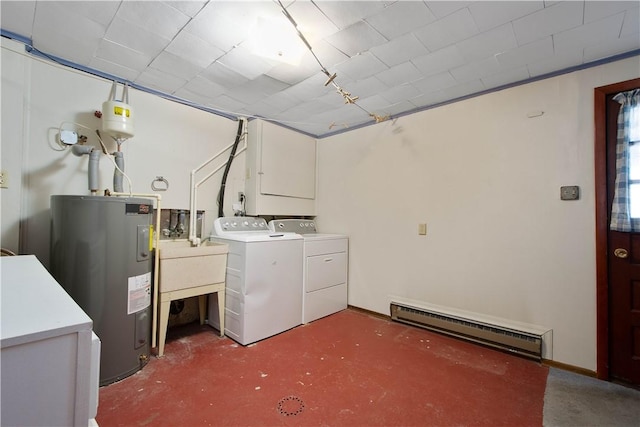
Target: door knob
621,253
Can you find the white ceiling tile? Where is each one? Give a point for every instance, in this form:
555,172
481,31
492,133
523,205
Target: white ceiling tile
402,73
527,53
447,31
399,93
448,94
266,86
594,10
113,69
357,38
260,109
54,35
191,97
188,7
475,70
65,46
361,66
398,108
373,103
607,48
302,111
489,43
346,13
175,66
244,94
506,77
589,34
434,83
218,29
491,14
450,53
311,87
341,117
101,12
293,74
122,55
204,86
137,38
245,63
400,18
444,8
631,23
553,19
17,16
59,17
399,50
194,49
438,61
223,75
225,104
282,101
154,16
555,63
159,80
365,87
326,53
311,21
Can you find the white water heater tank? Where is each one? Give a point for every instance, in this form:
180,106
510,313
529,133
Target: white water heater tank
118,116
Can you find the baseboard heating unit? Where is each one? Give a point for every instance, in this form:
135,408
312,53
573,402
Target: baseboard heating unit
523,343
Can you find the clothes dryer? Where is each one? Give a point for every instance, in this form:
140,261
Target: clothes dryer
263,282
326,259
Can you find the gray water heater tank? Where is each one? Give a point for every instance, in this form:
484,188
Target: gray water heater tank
101,255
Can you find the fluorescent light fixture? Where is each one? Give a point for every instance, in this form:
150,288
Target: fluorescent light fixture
276,39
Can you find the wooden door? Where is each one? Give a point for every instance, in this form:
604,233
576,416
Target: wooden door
623,259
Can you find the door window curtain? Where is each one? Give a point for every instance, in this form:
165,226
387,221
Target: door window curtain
627,185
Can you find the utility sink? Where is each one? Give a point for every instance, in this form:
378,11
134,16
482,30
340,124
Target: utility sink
183,266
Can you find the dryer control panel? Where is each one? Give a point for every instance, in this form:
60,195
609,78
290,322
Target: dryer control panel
300,226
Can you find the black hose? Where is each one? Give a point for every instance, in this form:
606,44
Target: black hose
223,184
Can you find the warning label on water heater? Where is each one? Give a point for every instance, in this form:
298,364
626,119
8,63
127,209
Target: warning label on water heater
139,293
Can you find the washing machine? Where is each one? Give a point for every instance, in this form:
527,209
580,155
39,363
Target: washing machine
263,281
325,269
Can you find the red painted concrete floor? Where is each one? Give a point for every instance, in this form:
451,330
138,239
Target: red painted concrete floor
348,369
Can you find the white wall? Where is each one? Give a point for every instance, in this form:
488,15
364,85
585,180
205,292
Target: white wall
170,140
486,179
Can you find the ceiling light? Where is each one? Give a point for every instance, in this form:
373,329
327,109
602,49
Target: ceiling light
275,39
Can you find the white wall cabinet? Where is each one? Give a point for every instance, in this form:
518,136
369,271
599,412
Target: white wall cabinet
49,354
281,171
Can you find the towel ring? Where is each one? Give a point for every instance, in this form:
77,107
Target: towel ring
154,187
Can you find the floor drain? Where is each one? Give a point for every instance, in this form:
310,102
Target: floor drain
290,405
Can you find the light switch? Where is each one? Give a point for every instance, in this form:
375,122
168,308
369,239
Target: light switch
422,229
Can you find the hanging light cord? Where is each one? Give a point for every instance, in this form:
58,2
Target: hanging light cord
348,98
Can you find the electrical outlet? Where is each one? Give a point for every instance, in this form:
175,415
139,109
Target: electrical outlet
4,179
240,196
570,192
